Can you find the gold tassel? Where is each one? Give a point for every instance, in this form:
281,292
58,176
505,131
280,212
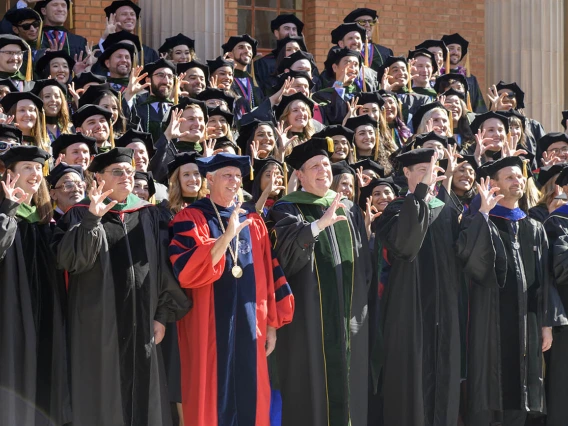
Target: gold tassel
29,65
251,172
375,33
409,78
330,145
119,99
135,59
39,35
525,173
285,169
468,101
363,77
252,73
141,45
447,61
468,72
376,145
133,163
71,25
399,109
46,168
111,134
43,135
451,119
176,90
239,151
354,152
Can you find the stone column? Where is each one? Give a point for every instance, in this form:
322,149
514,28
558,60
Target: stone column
203,21
525,43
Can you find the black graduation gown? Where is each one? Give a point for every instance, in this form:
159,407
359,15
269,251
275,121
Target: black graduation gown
302,366
556,227
150,55
119,283
419,312
508,290
411,102
253,97
150,119
34,382
538,213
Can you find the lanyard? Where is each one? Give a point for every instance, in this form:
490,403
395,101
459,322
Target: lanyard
246,91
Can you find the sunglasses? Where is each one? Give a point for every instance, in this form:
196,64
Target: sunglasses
26,27
4,146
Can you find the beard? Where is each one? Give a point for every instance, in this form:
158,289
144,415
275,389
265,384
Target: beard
162,92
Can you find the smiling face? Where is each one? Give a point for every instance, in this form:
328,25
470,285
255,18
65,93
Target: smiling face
59,70
189,180
11,58
365,139
341,148
194,81
440,122
242,53
438,55
29,35
315,175
560,150
217,126
495,130
272,170
372,110
425,69
181,54
346,185
119,64
301,85
54,13
110,103
455,53
299,115
99,127
65,199
26,115
78,154
52,100
162,83
141,189
194,124
352,41
391,108
454,104
463,178
141,158
125,19
224,184
398,75
264,135
121,185
381,196
348,67
224,77
510,182
285,30
30,176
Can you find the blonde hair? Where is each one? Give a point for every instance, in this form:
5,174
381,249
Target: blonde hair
337,180
38,131
63,116
307,133
547,192
41,199
531,196
422,126
175,197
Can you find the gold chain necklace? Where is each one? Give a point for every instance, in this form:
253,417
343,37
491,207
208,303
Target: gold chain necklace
237,271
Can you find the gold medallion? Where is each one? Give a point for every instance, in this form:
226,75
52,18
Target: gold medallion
237,271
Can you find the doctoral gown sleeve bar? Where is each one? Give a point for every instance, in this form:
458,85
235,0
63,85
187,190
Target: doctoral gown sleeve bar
192,240
77,247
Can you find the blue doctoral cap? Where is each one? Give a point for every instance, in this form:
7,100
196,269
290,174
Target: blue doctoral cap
223,159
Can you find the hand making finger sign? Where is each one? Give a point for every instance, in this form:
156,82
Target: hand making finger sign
173,130
331,217
97,197
11,191
234,226
488,197
431,175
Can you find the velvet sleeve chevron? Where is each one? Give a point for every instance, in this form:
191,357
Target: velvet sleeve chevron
190,250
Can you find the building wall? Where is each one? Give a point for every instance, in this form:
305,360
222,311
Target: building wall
402,24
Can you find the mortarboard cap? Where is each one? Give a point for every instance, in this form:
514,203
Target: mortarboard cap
114,48
211,93
152,67
342,167
293,74
367,191
42,84
87,111
115,155
547,172
41,4
132,136
10,131
371,98
564,118
370,165
339,33
416,156
61,170
65,140
177,40
309,149
225,142
362,11
282,19
427,44
219,62
94,93
247,131
15,16
181,159
550,138
492,167
122,36
223,159
223,113
453,92
42,64
390,61
281,44
12,98
335,130
432,136
413,54
456,39
85,78
185,66
481,118
419,115
562,179
24,153
234,40
260,164
336,54
115,5
147,176
287,100
6,39
9,84
361,120
288,61
445,81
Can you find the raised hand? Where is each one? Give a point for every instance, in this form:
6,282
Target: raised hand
11,191
277,97
82,64
76,94
510,147
60,159
488,197
481,143
54,46
493,97
550,159
413,71
429,125
371,214
442,99
546,338
452,155
134,83
208,147
275,182
385,80
173,131
254,149
87,133
234,226
431,175
331,217
363,179
352,107
556,201
97,197
7,119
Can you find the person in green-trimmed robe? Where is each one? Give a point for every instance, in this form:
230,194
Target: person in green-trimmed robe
320,240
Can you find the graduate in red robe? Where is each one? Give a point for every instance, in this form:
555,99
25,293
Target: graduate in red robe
225,339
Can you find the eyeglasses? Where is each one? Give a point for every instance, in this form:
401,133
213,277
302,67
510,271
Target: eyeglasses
4,146
12,53
26,27
556,151
164,76
362,22
70,185
121,172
